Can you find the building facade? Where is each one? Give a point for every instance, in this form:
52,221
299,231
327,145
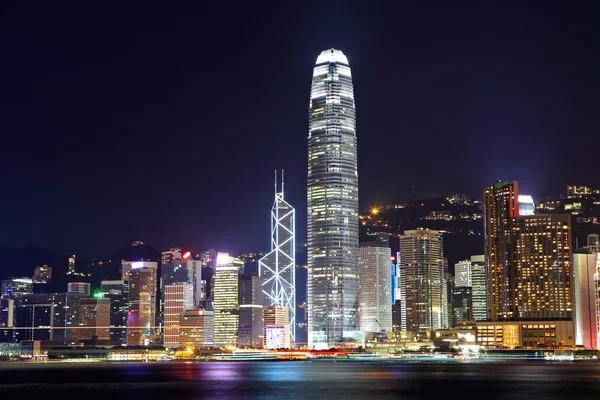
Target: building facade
196,328
226,300
277,268
251,330
479,293
332,189
423,290
14,288
79,287
140,317
544,270
118,293
179,297
586,270
94,319
375,288
501,208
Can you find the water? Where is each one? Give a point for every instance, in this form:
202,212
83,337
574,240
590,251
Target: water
331,380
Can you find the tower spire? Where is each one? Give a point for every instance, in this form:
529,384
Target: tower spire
282,183
275,181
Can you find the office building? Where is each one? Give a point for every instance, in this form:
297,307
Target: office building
463,274
276,318
226,300
65,310
179,297
375,288
170,256
586,269
42,274
479,284
544,271
36,322
462,305
118,293
71,267
528,334
332,189
94,320
196,328
14,288
7,313
277,268
251,330
526,205
78,287
500,206
423,288
128,266
140,320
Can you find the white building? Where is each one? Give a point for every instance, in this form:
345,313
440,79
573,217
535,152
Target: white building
179,297
375,288
586,269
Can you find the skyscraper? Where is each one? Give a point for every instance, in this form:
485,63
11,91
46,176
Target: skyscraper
544,270
71,268
179,297
118,293
139,319
250,333
332,190
94,319
226,301
422,282
375,292
79,287
196,328
277,268
479,288
501,208
586,268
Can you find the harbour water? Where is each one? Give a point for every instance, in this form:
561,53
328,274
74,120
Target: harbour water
529,380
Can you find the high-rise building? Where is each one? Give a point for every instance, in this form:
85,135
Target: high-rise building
127,266
277,328
586,269
170,256
196,328
226,301
36,322
277,268
463,274
179,297
332,187
65,310
140,320
479,286
462,304
14,288
501,208
78,287
544,271
423,288
251,330
42,274
7,313
375,288
94,319
118,293
71,268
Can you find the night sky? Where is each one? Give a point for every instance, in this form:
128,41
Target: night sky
164,124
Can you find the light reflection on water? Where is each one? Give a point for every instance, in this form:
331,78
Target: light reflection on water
529,380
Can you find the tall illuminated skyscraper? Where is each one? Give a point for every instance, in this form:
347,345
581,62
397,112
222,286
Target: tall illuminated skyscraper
277,268
423,289
226,301
332,187
501,208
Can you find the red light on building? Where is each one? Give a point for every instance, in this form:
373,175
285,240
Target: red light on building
187,255
393,258
200,312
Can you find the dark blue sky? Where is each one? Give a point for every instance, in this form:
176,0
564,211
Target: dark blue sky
164,123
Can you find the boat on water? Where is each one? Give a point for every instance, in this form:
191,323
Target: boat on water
246,356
